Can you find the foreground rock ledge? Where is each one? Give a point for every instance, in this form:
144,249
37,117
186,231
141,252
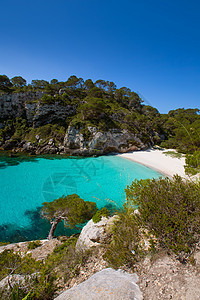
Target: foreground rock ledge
107,284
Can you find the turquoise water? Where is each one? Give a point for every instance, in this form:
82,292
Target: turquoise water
26,184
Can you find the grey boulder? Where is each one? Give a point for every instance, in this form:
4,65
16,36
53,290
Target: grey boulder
107,284
93,234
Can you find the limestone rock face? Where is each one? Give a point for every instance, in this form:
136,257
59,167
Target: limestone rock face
118,140
13,105
29,105
115,140
94,234
107,284
74,139
43,114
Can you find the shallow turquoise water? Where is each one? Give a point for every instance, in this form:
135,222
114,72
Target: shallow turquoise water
25,186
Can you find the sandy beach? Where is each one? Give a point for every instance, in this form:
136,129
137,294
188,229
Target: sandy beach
157,160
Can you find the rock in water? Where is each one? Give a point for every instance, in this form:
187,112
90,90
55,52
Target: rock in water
107,284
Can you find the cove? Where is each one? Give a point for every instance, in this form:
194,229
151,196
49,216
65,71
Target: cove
26,183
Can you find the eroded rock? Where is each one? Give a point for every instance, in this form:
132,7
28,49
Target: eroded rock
30,106
94,234
114,140
107,284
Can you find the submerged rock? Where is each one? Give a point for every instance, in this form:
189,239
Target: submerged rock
107,284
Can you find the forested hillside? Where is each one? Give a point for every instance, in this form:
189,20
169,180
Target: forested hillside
84,117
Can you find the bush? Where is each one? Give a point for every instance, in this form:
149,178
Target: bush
41,277
124,248
168,209
67,260
34,244
4,243
173,154
192,163
46,132
15,263
104,212
47,99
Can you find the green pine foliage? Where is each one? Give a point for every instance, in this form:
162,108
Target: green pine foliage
103,212
102,105
124,248
72,208
169,210
192,161
182,129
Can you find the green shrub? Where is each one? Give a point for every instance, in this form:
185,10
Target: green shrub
103,212
39,280
63,262
34,244
10,261
46,132
47,99
124,248
4,243
192,163
14,263
173,154
51,99
168,209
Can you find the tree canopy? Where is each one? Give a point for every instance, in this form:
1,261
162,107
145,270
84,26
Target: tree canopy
5,83
168,209
18,82
71,209
102,105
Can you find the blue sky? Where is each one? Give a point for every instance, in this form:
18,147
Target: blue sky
152,47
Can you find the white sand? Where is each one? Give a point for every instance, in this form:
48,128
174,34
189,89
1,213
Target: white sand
155,159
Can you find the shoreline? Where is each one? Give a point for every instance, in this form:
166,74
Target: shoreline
152,158
158,161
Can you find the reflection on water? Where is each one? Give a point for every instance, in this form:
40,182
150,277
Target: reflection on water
7,160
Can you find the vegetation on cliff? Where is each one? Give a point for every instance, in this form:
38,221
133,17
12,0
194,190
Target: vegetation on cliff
40,279
163,214
101,105
158,215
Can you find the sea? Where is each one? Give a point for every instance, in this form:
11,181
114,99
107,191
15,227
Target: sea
27,182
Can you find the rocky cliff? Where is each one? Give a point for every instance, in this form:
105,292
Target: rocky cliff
31,107
14,105
115,140
74,143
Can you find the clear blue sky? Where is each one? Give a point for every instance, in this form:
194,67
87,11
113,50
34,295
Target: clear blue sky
152,47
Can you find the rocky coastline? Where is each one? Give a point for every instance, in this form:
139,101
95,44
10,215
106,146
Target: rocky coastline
74,141
159,277
120,141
